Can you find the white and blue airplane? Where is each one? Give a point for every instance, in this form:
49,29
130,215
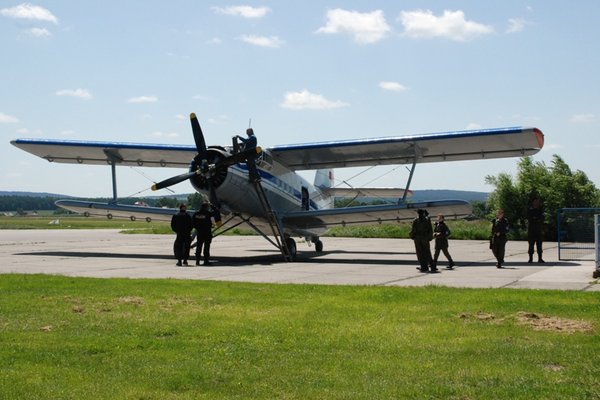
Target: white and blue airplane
284,205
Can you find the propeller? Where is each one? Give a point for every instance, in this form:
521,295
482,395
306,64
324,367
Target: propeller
204,168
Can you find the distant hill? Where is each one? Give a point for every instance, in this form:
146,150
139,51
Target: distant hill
33,194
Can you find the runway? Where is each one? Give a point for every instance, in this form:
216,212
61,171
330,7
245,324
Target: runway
344,261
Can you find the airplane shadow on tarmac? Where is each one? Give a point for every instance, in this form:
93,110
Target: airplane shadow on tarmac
275,257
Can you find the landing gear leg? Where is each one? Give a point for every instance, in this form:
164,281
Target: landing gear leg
291,245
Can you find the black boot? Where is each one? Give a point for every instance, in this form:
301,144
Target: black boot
530,259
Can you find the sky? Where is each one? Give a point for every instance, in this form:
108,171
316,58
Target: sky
298,72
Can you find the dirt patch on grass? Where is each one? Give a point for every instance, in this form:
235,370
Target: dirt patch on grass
480,316
135,300
541,322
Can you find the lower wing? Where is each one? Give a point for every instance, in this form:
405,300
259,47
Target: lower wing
370,215
114,210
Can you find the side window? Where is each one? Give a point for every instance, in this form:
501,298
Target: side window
305,199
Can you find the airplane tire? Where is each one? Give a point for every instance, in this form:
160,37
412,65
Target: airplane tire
291,245
132,218
109,216
148,219
318,246
86,214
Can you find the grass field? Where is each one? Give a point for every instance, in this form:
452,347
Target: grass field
73,338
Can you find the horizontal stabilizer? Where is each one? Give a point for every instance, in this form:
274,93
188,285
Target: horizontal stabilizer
382,193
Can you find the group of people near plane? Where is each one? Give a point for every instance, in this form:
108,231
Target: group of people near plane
183,223
422,233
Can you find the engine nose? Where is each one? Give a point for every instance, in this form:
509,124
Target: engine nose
209,171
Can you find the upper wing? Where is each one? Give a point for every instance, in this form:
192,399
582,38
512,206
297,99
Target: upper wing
449,146
92,152
369,215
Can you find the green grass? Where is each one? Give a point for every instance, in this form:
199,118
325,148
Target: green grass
461,229
78,222
72,338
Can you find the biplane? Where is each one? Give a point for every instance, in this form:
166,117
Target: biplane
281,205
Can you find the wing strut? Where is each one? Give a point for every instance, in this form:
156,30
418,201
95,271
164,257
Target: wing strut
410,175
113,158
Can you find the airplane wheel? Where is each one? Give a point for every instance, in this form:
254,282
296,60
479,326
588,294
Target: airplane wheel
291,245
109,216
148,219
86,214
318,246
132,218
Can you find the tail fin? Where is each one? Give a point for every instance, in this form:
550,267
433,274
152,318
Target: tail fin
324,178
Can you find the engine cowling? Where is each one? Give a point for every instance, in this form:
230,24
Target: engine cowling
216,175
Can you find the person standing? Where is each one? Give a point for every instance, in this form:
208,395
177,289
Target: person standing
422,233
498,241
535,228
441,233
250,143
181,224
201,220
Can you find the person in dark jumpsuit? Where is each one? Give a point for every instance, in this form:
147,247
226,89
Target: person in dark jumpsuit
422,233
441,233
250,143
500,228
535,228
181,224
201,220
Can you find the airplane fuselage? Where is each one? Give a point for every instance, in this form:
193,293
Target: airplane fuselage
286,191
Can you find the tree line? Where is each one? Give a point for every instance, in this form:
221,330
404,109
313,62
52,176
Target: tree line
556,185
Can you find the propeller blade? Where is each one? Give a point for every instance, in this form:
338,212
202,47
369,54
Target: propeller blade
198,136
172,181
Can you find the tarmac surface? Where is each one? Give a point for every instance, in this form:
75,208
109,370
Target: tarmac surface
344,261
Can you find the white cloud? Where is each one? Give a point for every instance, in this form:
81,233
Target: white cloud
243,11
263,41
451,25
29,11
215,41
364,27
143,99
79,93
473,125
307,100
7,119
39,32
516,25
583,118
392,86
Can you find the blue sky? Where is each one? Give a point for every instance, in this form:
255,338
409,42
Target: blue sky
302,72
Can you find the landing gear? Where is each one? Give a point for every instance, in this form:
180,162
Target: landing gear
318,244
291,245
